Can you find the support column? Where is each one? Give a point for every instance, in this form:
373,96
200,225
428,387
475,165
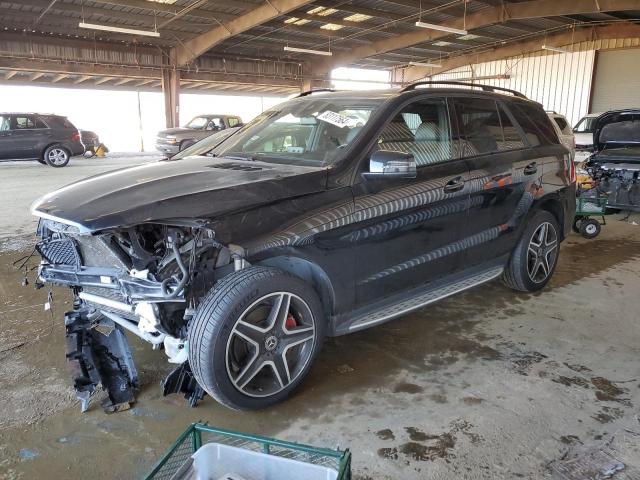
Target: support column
307,84
171,92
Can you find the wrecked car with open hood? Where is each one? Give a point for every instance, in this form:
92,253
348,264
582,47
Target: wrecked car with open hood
328,214
615,163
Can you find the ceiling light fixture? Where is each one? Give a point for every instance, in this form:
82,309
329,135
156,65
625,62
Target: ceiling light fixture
307,50
554,49
425,64
107,28
433,26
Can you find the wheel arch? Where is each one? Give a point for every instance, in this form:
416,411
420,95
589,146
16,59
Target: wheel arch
50,144
553,204
311,273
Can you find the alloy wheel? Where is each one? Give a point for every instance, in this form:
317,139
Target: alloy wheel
57,156
542,252
270,344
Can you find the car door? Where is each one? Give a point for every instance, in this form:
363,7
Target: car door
407,231
6,140
498,158
25,136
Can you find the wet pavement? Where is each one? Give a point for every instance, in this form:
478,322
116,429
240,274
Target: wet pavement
487,384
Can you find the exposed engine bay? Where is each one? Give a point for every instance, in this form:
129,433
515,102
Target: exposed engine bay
619,181
146,280
615,163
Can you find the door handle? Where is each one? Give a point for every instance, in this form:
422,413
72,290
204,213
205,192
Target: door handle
531,168
454,185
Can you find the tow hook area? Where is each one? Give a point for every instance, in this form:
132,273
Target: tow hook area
181,380
98,353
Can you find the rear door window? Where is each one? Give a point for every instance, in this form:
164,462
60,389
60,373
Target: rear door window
215,124
484,127
22,122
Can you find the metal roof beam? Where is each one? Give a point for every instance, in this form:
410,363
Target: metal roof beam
173,9
482,18
581,34
82,78
188,51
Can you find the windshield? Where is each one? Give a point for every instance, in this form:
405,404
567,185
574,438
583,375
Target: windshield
198,123
205,146
585,125
303,131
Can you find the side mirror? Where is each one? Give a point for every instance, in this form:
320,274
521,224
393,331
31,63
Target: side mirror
386,163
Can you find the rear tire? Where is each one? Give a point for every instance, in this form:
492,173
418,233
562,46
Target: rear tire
57,156
255,336
590,228
535,257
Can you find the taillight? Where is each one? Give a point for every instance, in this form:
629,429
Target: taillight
75,137
572,170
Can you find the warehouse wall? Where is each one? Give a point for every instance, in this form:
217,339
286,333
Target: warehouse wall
617,80
561,82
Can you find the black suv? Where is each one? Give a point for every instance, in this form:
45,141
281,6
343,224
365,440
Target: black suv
328,214
50,139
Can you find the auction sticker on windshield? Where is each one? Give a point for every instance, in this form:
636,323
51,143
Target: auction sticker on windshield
334,119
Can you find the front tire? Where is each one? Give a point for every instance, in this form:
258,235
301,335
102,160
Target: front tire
57,156
535,257
255,336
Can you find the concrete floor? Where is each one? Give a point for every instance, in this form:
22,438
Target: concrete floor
485,385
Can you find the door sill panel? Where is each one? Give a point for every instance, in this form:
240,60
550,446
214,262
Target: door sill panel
394,306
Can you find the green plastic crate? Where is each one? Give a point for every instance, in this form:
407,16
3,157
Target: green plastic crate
199,434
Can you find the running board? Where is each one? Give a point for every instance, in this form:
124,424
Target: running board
396,309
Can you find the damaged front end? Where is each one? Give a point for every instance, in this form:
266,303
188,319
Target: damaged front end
145,280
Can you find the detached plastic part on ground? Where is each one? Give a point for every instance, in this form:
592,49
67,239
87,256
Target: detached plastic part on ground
98,354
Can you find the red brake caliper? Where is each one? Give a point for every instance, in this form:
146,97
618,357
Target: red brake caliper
290,322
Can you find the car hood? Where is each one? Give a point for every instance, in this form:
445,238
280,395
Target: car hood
175,131
615,129
192,189
618,156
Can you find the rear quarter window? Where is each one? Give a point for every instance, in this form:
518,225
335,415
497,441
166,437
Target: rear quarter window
564,126
59,122
535,123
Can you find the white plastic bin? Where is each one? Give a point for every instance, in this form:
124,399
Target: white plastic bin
214,461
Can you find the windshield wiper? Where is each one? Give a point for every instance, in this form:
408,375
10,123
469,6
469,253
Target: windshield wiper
235,156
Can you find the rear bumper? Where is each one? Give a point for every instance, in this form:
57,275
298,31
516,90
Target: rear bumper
76,148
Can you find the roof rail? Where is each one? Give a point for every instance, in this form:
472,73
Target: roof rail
317,90
486,88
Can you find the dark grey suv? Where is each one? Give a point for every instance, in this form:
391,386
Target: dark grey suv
50,139
327,214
